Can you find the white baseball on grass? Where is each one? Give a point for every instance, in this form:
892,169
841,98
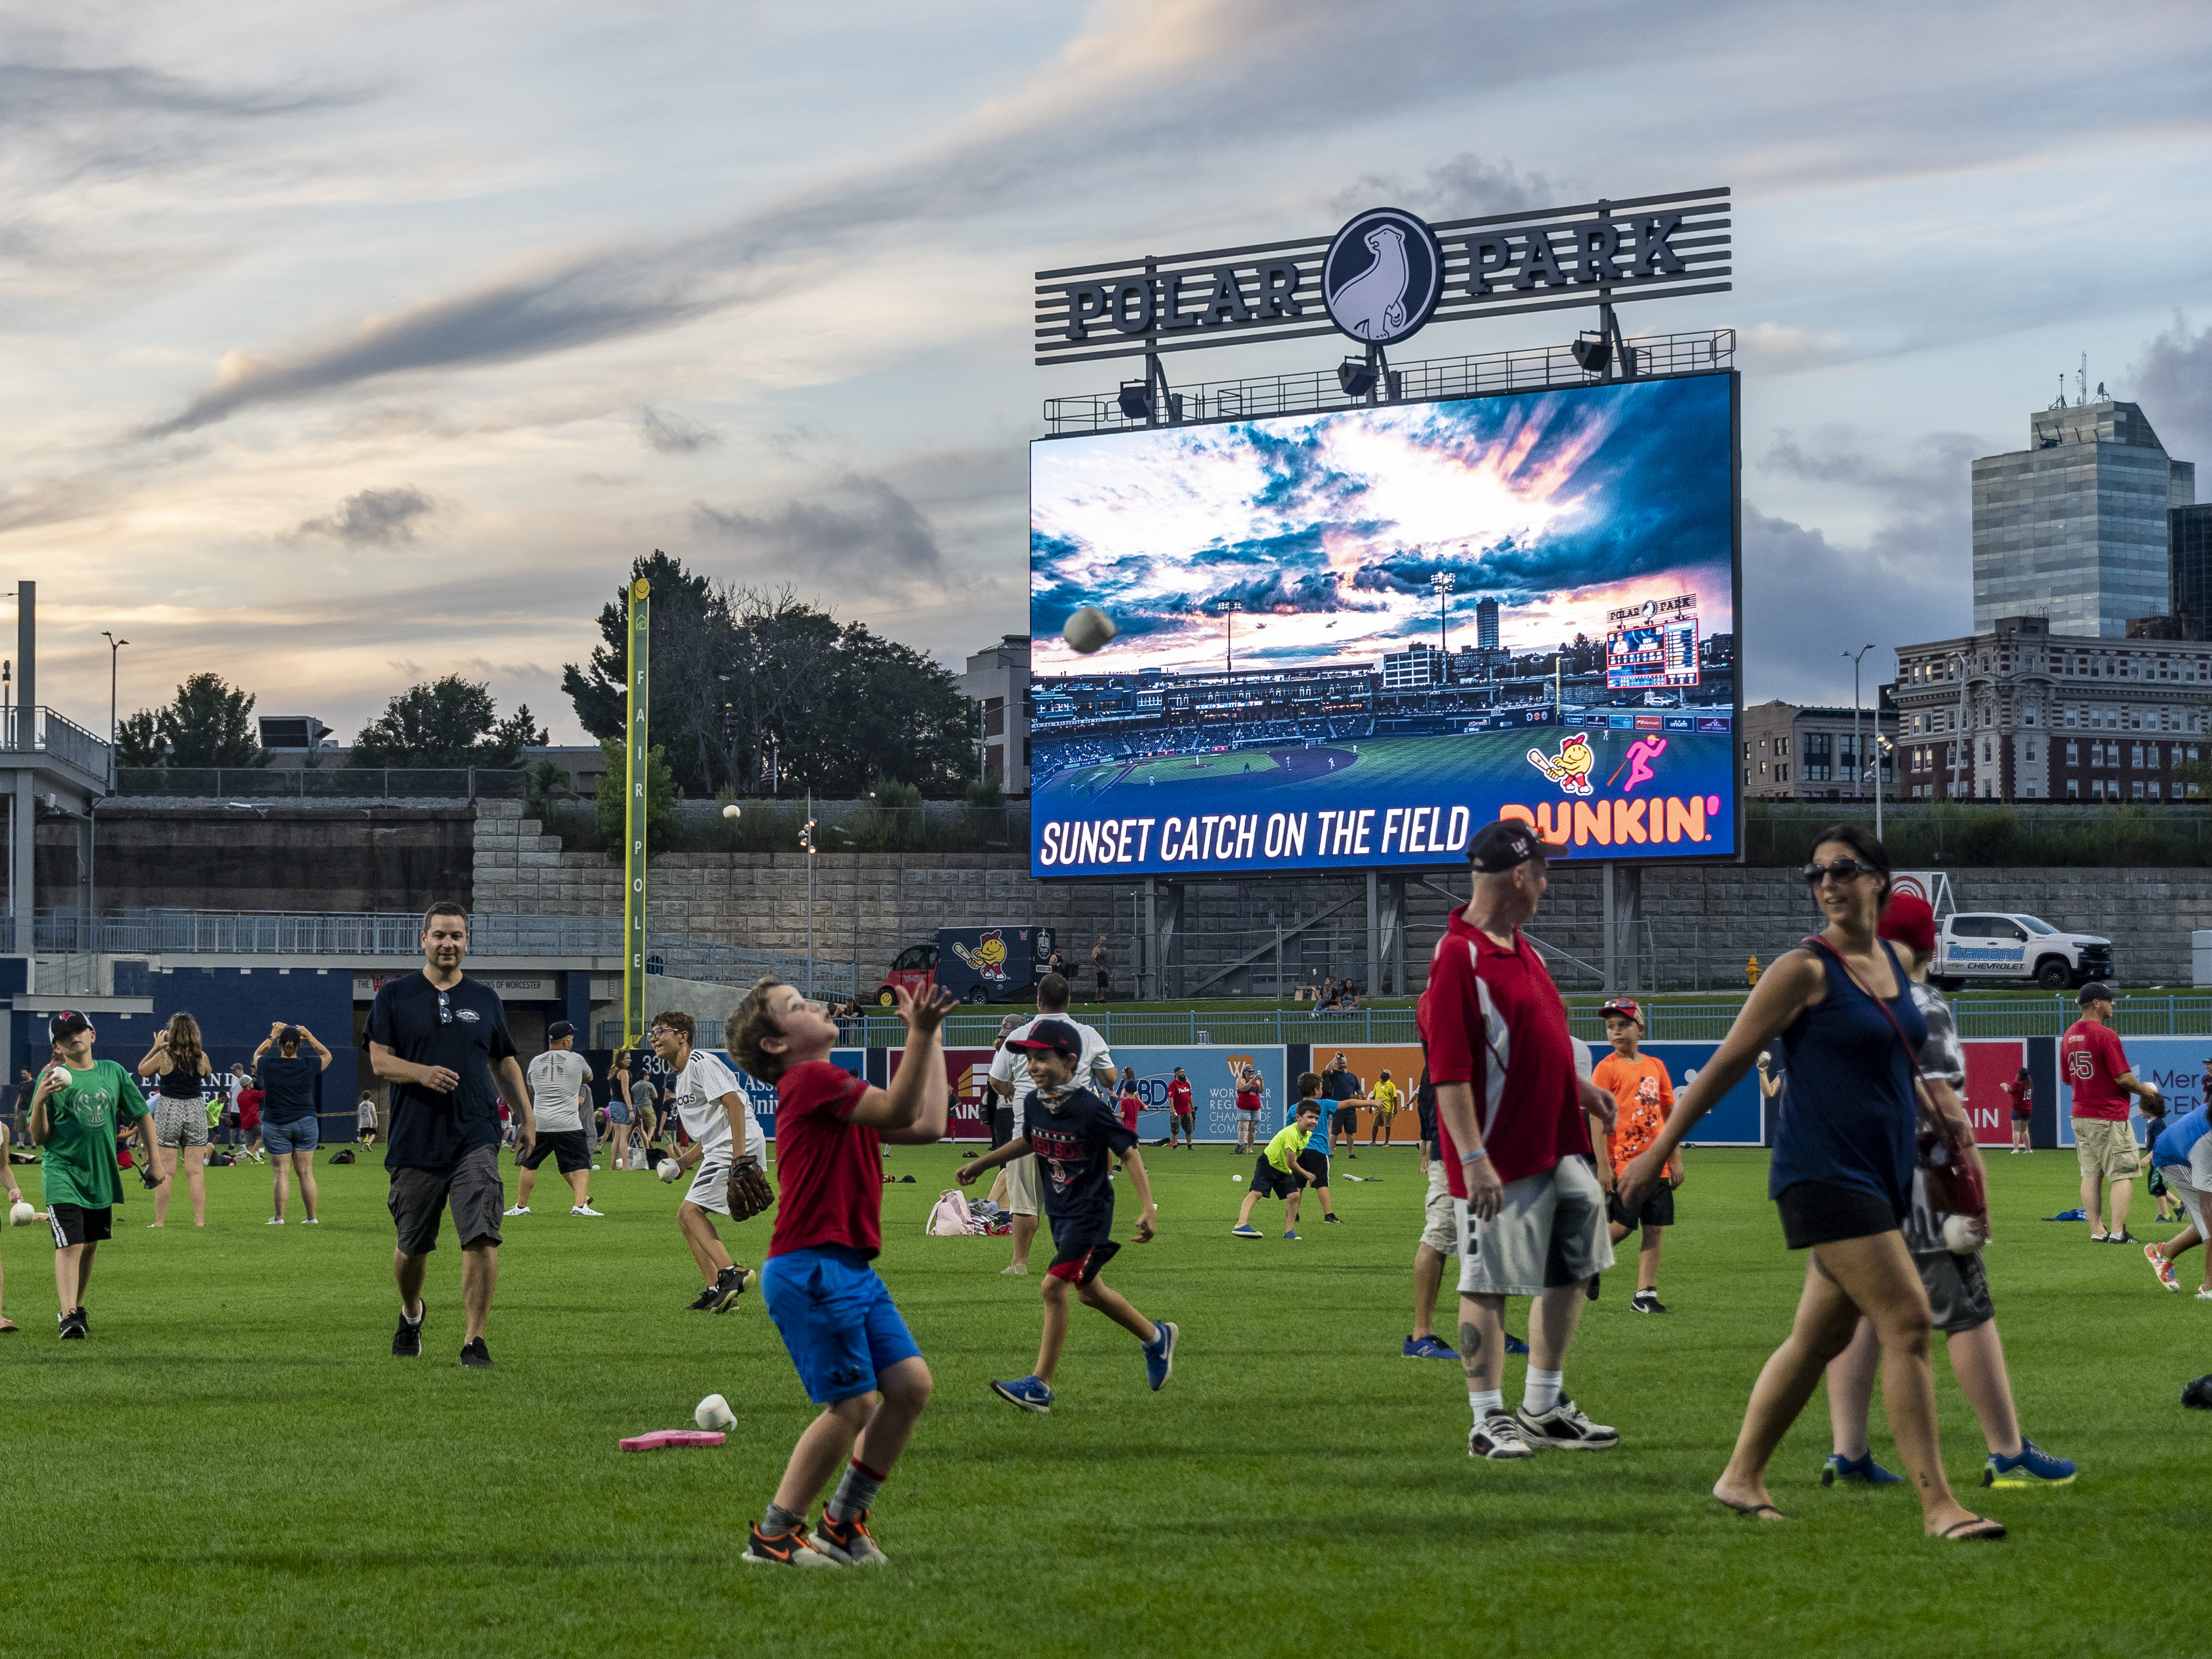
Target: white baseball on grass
1237,1177
713,1413
1963,1234
21,1214
1089,629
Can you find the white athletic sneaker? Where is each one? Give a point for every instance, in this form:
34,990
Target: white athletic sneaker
273,1221
518,1209
311,1222
585,1209
1499,1436
1017,1267
1566,1428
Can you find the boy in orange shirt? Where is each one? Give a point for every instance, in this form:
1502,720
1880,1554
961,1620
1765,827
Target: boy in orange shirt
1645,1096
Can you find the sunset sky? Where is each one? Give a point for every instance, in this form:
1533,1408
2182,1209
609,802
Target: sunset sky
355,343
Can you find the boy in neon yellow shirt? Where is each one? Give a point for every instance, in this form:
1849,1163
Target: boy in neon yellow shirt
1386,1100
1276,1174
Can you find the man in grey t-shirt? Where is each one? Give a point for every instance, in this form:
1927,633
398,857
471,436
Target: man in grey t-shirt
560,1095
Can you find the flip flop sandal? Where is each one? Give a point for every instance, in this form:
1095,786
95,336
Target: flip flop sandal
1958,1534
1752,1511
8,1327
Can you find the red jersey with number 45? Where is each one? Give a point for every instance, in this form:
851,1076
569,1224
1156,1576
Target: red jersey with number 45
1493,1018
2089,1059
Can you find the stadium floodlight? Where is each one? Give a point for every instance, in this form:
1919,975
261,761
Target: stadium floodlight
1357,376
1593,352
1136,399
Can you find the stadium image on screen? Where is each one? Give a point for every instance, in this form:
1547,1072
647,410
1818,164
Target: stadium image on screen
1349,639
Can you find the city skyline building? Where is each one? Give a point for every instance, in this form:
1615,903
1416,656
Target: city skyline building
2189,559
2074,528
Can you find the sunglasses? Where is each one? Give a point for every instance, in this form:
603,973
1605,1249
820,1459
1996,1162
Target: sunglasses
1842,870
444,1009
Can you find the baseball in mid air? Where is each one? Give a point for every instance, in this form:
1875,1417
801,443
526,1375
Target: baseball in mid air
1089,629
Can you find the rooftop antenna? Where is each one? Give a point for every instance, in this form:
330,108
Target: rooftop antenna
2082,380
2059,402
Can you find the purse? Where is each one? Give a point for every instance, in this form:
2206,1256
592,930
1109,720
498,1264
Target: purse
1955,1186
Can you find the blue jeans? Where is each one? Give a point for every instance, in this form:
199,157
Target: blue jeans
303,1136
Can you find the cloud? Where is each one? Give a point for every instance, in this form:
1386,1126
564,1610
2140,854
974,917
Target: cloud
869,530
1778,348
1935,479
374,517
676,434
2172,381
1465,187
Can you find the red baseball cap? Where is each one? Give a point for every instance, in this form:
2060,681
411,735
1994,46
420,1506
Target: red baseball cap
1910,921
1625,1007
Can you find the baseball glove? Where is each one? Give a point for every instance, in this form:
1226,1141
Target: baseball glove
750,1192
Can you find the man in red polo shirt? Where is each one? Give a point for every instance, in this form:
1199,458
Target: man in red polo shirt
1516,1148
2090,1058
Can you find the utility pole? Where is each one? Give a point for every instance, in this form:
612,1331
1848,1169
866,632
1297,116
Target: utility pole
114,654
1858,754
1440,583
1227,610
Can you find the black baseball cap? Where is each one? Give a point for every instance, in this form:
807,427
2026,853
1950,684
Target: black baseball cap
68,1023
1056,1035
559,1029
1499,847
2094,991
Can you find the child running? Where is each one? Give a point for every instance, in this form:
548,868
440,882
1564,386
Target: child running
855,1355
1072,1132
2181,1154
73,1122
1958,1289
1276,1174
1643,1096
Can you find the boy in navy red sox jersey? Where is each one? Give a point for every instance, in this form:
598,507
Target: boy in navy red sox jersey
1075,1135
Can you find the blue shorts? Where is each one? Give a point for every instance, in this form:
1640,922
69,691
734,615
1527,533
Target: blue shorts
617,1112
303,1136
837,1320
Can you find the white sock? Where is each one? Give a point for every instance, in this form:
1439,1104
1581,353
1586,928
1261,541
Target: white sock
1483,1404
1541,1393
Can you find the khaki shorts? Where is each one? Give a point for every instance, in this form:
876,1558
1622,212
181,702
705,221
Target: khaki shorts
1550,1231
2106,1149
1440,1229
1021,1185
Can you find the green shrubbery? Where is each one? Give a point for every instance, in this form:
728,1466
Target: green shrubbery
1982,835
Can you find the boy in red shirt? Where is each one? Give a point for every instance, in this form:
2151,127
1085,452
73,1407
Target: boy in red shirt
1642,1097
855,1354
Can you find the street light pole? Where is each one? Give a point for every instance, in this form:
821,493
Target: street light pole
1440,583
115,655
1858,754
1227,610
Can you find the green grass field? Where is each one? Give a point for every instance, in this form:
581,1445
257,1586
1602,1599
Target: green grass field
233,1463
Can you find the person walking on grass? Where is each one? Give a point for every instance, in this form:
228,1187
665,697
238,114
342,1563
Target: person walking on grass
1841,1175
710,1106
436,1035
560,1093
1074,1134
2091,1059
1276,1173
9,1327
248,1135
76,1113
855,1357
1342,1089
1957,1288
365,1122
1440,1232
1526,1198
1181,1118
1009,1081
1643,1096
622,1118
2181,1153
178,1066
1386,1110
289,1127
2020,1091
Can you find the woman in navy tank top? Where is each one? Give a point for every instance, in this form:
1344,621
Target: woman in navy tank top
1841,1175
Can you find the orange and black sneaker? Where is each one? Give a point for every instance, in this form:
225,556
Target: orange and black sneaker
849,1542
785,1549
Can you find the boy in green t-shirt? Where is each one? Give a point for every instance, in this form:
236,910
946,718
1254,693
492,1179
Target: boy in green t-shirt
75,1116
1276,1174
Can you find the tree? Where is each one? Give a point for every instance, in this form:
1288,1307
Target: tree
208,723
881,708
450,722
691,643
660,794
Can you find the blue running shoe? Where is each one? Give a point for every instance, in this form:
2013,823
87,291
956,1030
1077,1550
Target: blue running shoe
1287,1233
1246,1230
2033,1467
1159,1354
1514,1344
1428,1348
1861,1470
1030,1393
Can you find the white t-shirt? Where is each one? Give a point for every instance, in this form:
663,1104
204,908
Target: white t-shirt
699,1094
557,1077
368,1112
1009,1065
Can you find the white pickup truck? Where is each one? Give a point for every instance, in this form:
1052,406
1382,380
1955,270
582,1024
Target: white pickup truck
2007,945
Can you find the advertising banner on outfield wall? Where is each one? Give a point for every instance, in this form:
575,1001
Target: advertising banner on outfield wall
761,1095
1991,1064
1212,1096
968,1071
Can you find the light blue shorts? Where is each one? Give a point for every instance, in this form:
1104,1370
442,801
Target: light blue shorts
301,1137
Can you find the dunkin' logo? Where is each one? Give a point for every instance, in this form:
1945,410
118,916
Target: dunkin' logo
1656,819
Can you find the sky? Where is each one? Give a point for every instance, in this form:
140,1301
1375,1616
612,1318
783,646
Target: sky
1326,529
355,344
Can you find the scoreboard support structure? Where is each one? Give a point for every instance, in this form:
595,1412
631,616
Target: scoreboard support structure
1624,914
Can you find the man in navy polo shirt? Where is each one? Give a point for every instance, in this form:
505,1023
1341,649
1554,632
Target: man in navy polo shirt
435,1036
1516,1150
